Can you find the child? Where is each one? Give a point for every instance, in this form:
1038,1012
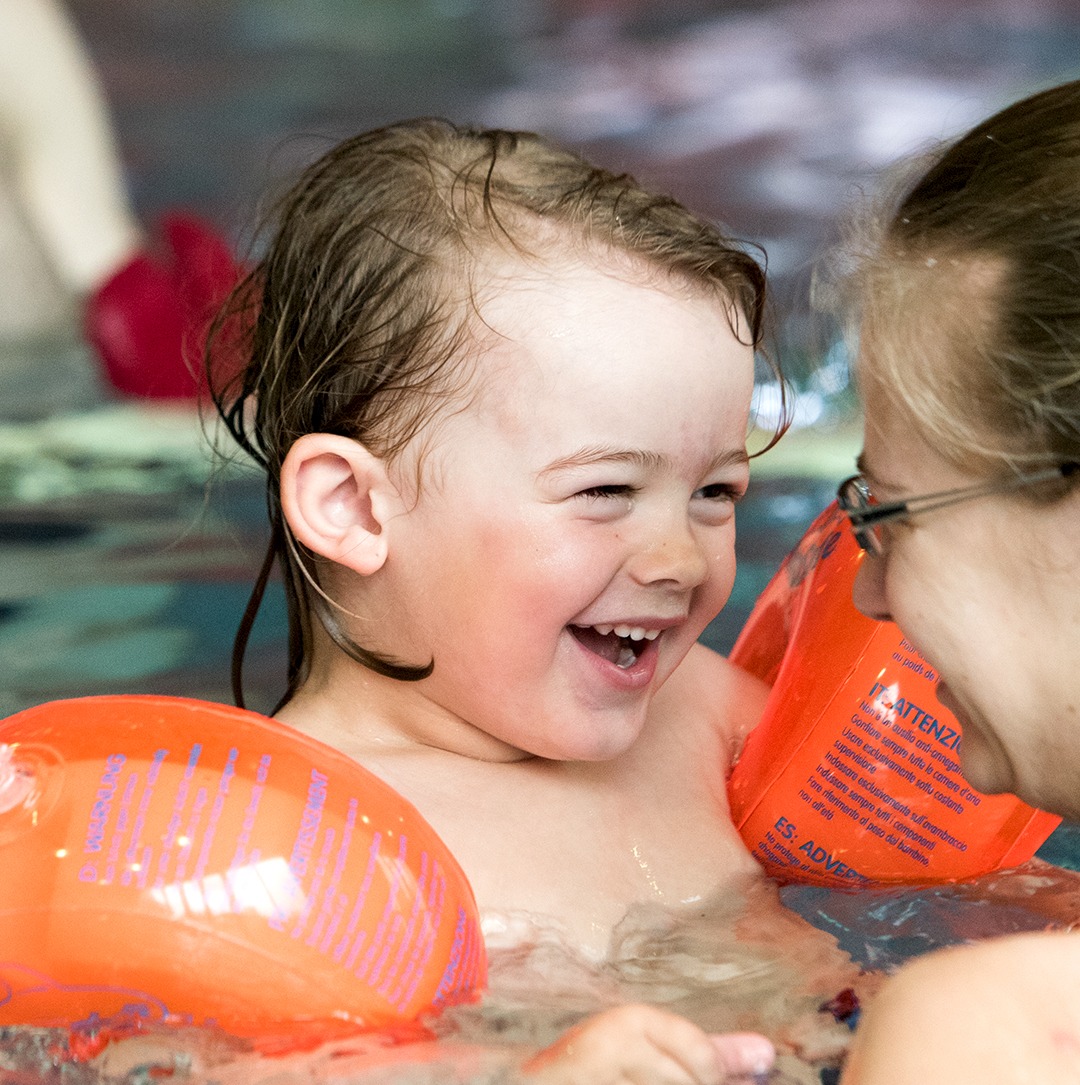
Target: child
502,401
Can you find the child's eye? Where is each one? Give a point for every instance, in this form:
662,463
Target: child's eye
594,493
720,491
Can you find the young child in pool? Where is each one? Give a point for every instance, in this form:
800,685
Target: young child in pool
502,399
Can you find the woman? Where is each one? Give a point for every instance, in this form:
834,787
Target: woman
968,503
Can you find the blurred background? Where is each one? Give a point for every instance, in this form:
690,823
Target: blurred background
127,552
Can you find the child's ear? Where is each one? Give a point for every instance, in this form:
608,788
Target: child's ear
337,498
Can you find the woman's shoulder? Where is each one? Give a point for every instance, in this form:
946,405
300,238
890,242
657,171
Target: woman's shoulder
1002,1010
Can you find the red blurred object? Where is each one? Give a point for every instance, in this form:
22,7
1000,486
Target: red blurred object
148,321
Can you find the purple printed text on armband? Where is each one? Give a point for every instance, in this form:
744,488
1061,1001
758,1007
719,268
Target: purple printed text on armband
240,853
902,709
310,820
99,812
227,773
449,983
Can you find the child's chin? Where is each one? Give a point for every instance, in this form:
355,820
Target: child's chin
607,739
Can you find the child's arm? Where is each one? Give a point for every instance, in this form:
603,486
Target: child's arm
644,1045
635,1045
1005,1011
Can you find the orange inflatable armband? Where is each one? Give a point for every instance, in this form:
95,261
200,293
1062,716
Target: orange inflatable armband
853,777
189,862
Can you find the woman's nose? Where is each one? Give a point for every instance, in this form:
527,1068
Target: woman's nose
868,591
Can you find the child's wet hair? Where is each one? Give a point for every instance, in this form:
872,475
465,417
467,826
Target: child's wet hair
363,307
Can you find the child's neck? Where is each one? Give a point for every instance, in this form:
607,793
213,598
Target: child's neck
367,715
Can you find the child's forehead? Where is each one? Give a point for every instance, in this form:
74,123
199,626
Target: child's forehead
665,384
521,289
570,327
576,323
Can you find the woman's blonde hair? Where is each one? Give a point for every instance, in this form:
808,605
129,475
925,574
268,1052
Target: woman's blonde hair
968,298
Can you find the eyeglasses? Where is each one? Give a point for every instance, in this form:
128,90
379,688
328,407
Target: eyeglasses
867,515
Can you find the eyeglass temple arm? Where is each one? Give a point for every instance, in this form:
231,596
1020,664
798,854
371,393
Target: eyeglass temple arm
887,510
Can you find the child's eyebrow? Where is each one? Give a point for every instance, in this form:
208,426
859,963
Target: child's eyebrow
636,457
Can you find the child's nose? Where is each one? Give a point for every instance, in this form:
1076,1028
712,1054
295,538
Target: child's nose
673,554
868,591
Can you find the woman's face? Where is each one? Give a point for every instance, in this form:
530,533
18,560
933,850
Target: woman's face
989,592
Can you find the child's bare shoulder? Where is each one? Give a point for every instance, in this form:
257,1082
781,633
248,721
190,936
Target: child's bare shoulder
717,697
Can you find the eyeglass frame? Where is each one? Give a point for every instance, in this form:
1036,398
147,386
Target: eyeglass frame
864,519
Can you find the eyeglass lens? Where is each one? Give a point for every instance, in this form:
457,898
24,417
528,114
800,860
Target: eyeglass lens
855,496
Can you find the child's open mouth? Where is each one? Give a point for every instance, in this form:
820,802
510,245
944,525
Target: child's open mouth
618,644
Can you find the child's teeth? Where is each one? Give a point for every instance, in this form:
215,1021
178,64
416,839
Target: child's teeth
631,632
